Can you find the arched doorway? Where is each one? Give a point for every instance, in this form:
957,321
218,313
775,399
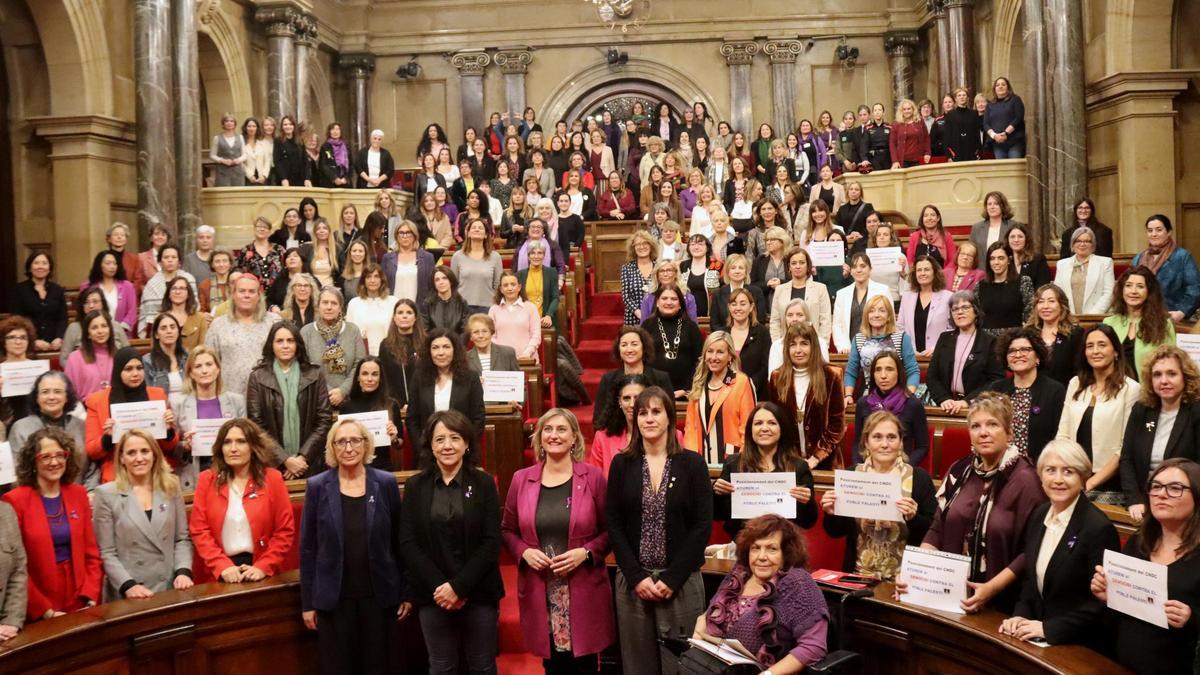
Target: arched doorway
619,96
597,84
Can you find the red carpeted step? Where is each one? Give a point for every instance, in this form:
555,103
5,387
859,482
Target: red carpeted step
607,304
601,328
594,354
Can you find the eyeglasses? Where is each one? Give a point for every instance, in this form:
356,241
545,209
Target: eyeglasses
357,443
16,338
52,458
1020,350
962,308
404,233
1172,490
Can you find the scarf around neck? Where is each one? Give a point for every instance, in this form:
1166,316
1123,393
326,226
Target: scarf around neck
334,356
1154,258
289,384
893,402
341,154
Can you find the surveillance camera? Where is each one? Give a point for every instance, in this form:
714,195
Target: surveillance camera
842,52
809,44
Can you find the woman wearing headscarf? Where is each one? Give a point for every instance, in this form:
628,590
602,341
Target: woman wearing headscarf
127,385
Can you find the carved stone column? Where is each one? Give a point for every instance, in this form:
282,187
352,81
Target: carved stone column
471,63
900,47
514,63
155,112
359,68
783,55
960,34
1055,134
739,56
280,25
306,44
188,174
941,29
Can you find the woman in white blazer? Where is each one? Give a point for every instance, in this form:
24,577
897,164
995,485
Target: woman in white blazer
607,164
816,296
1102,393
1099,282
854,295
141,523
826,185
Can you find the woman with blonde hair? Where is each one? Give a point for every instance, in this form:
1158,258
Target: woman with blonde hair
909,140
140,561
565,596
636,274
809,390
408,267
228,150
324,253
875,547
736,274
299,305
896,281
204,398
666,273
876,333
719,402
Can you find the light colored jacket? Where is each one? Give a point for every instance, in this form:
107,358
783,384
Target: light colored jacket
1108,419
184,407
13,577
839,196
842,335
1097,289
816,299
148,551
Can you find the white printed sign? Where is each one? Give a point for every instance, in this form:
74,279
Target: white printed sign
145,415
20,375
502,386
866,495
936,580
885,259
376,422
828,253
757,494
205,437
1136,587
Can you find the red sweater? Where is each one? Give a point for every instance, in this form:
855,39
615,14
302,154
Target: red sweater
909,142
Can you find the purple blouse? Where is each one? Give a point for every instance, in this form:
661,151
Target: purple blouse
60,528
208,409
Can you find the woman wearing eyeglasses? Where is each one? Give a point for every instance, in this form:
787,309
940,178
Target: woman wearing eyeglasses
1169,536
351,586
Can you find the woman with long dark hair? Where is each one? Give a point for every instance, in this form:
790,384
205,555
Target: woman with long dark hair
120,297
810,392
1139,317
167,360
371,392
398,351
888,393
444,381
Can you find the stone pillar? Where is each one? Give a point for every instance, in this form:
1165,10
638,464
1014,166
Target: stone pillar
359,68
783,55
153,84
1056,136
471,64
960,42
188,175
900,47
306,44
938,9
739,56
514,63
280,25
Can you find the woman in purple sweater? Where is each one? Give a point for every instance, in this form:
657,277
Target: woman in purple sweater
984,504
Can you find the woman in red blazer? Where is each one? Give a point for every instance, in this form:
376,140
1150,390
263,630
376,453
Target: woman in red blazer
65,570
128,385
241,489
565,597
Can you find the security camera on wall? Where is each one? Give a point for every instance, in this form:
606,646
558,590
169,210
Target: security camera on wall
409,70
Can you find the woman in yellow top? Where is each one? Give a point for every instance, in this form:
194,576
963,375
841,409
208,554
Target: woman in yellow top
1140,318
719,403
541,284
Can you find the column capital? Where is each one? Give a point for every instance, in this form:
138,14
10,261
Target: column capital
783,51
471,62
279,21
305,26
739,53
357,65
958,4
900,44
513,61
937,8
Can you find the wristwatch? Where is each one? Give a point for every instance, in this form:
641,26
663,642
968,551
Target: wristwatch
590,560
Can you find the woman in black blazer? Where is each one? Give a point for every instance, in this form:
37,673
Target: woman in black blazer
1056,604
427,179
351,586
387,166
751,339
449,539
978,366
1051,318
441,366
718,306
659,516
634,351
289,156
1165,422
42,301
1037,415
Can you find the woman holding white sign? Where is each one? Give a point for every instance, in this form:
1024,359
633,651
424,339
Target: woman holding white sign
18,334
875,547
772,446
1067,539
204,398
371,392
128,386
1170,536
51,401
984,504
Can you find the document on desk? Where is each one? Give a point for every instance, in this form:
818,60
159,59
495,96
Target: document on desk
144,415
1136,587
757,494
936,580
866,495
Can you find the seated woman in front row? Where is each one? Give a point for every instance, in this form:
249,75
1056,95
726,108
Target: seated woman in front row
1067,539
963,362
875,547
771,445
768,601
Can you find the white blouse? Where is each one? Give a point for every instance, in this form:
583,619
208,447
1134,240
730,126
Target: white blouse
372,316
235,531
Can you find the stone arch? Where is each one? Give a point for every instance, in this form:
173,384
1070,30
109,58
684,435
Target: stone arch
574,90
1004,27
321,111
1134,35
78,62
236,88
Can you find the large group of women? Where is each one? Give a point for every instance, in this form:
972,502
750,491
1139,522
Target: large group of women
256,352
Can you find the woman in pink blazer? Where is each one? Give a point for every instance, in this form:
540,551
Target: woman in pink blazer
565,597
927,292
108,275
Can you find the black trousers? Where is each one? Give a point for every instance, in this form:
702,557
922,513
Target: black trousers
566,663
353,639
